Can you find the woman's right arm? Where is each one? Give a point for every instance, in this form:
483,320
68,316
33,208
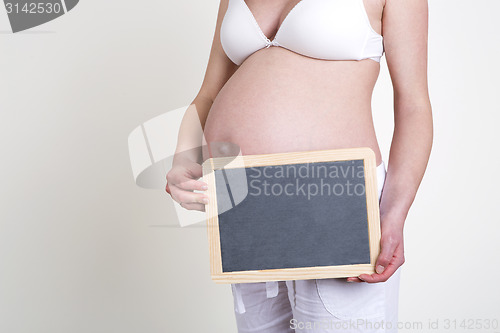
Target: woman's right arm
186,166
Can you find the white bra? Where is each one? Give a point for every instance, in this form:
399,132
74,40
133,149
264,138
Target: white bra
322,29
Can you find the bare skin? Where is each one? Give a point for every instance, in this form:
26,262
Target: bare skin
280,101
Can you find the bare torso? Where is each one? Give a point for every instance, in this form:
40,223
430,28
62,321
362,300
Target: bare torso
281,101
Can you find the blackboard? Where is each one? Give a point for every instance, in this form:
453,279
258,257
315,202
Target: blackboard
292,215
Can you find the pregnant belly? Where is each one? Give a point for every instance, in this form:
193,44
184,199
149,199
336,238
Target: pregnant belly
278,102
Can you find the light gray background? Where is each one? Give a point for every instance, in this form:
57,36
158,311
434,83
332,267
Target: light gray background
83,249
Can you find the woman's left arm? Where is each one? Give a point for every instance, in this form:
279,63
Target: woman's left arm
405,30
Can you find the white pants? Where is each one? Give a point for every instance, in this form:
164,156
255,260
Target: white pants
318,305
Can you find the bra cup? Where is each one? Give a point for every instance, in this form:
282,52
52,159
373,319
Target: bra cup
374,47
321,29
332,30
239,35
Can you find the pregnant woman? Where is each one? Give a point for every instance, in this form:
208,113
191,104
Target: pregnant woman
289,76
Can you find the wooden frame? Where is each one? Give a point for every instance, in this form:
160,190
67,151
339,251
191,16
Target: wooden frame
300,273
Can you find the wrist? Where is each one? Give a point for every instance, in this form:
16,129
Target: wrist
392,220
186,156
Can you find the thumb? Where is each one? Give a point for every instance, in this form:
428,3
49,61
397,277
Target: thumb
195,170
387,248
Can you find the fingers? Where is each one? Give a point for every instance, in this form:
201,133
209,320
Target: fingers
193,206
387,248
187,197
181,184
191,184
354,279
396,261
374,278
185,181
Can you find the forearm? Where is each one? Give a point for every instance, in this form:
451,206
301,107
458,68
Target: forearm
190,136
409,154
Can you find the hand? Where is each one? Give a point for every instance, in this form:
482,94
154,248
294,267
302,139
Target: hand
182,180
391,254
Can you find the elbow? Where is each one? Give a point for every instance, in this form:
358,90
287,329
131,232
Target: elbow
415,116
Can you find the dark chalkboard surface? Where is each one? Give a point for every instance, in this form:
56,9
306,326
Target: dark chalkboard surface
292,215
